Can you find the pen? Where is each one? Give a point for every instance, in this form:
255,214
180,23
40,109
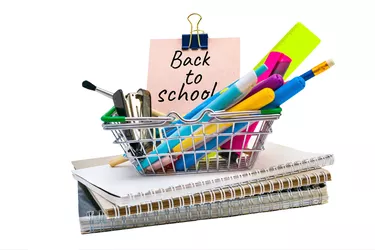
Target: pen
273,82
232,95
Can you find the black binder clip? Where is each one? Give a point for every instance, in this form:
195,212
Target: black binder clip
195,41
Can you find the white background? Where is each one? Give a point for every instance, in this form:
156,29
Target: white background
47,49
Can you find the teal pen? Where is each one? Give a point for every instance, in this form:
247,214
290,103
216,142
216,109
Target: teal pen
226,99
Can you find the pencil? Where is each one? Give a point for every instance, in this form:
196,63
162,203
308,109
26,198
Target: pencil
318,69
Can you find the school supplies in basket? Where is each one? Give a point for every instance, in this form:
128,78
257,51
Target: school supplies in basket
224,132
195,141
230,97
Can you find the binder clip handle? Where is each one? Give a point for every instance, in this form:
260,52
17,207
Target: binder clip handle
195,41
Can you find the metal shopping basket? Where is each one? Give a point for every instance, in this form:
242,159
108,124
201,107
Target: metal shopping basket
191,146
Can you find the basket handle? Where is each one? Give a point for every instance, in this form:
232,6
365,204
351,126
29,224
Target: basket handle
107,117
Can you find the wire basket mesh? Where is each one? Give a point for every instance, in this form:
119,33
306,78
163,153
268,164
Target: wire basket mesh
173,145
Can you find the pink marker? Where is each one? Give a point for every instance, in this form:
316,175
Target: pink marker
271,63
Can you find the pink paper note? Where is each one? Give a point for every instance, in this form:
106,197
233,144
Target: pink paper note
179,79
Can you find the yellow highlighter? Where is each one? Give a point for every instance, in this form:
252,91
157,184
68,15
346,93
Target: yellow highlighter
254,102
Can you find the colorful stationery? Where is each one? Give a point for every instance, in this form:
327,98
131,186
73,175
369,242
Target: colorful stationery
230,97
283,59
282,94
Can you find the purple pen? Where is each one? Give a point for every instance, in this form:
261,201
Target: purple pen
273,82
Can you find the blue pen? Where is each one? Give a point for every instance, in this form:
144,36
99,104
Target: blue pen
229,97
287,91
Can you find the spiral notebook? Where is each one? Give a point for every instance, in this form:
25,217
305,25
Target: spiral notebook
94,221
123,186
261,180
221,194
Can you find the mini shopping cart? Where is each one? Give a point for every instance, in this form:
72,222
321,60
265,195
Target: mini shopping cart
198,149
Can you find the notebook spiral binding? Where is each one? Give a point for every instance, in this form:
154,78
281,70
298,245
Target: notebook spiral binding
278,171
224,193
290,198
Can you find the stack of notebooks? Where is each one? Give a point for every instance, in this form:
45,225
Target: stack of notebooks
120,198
